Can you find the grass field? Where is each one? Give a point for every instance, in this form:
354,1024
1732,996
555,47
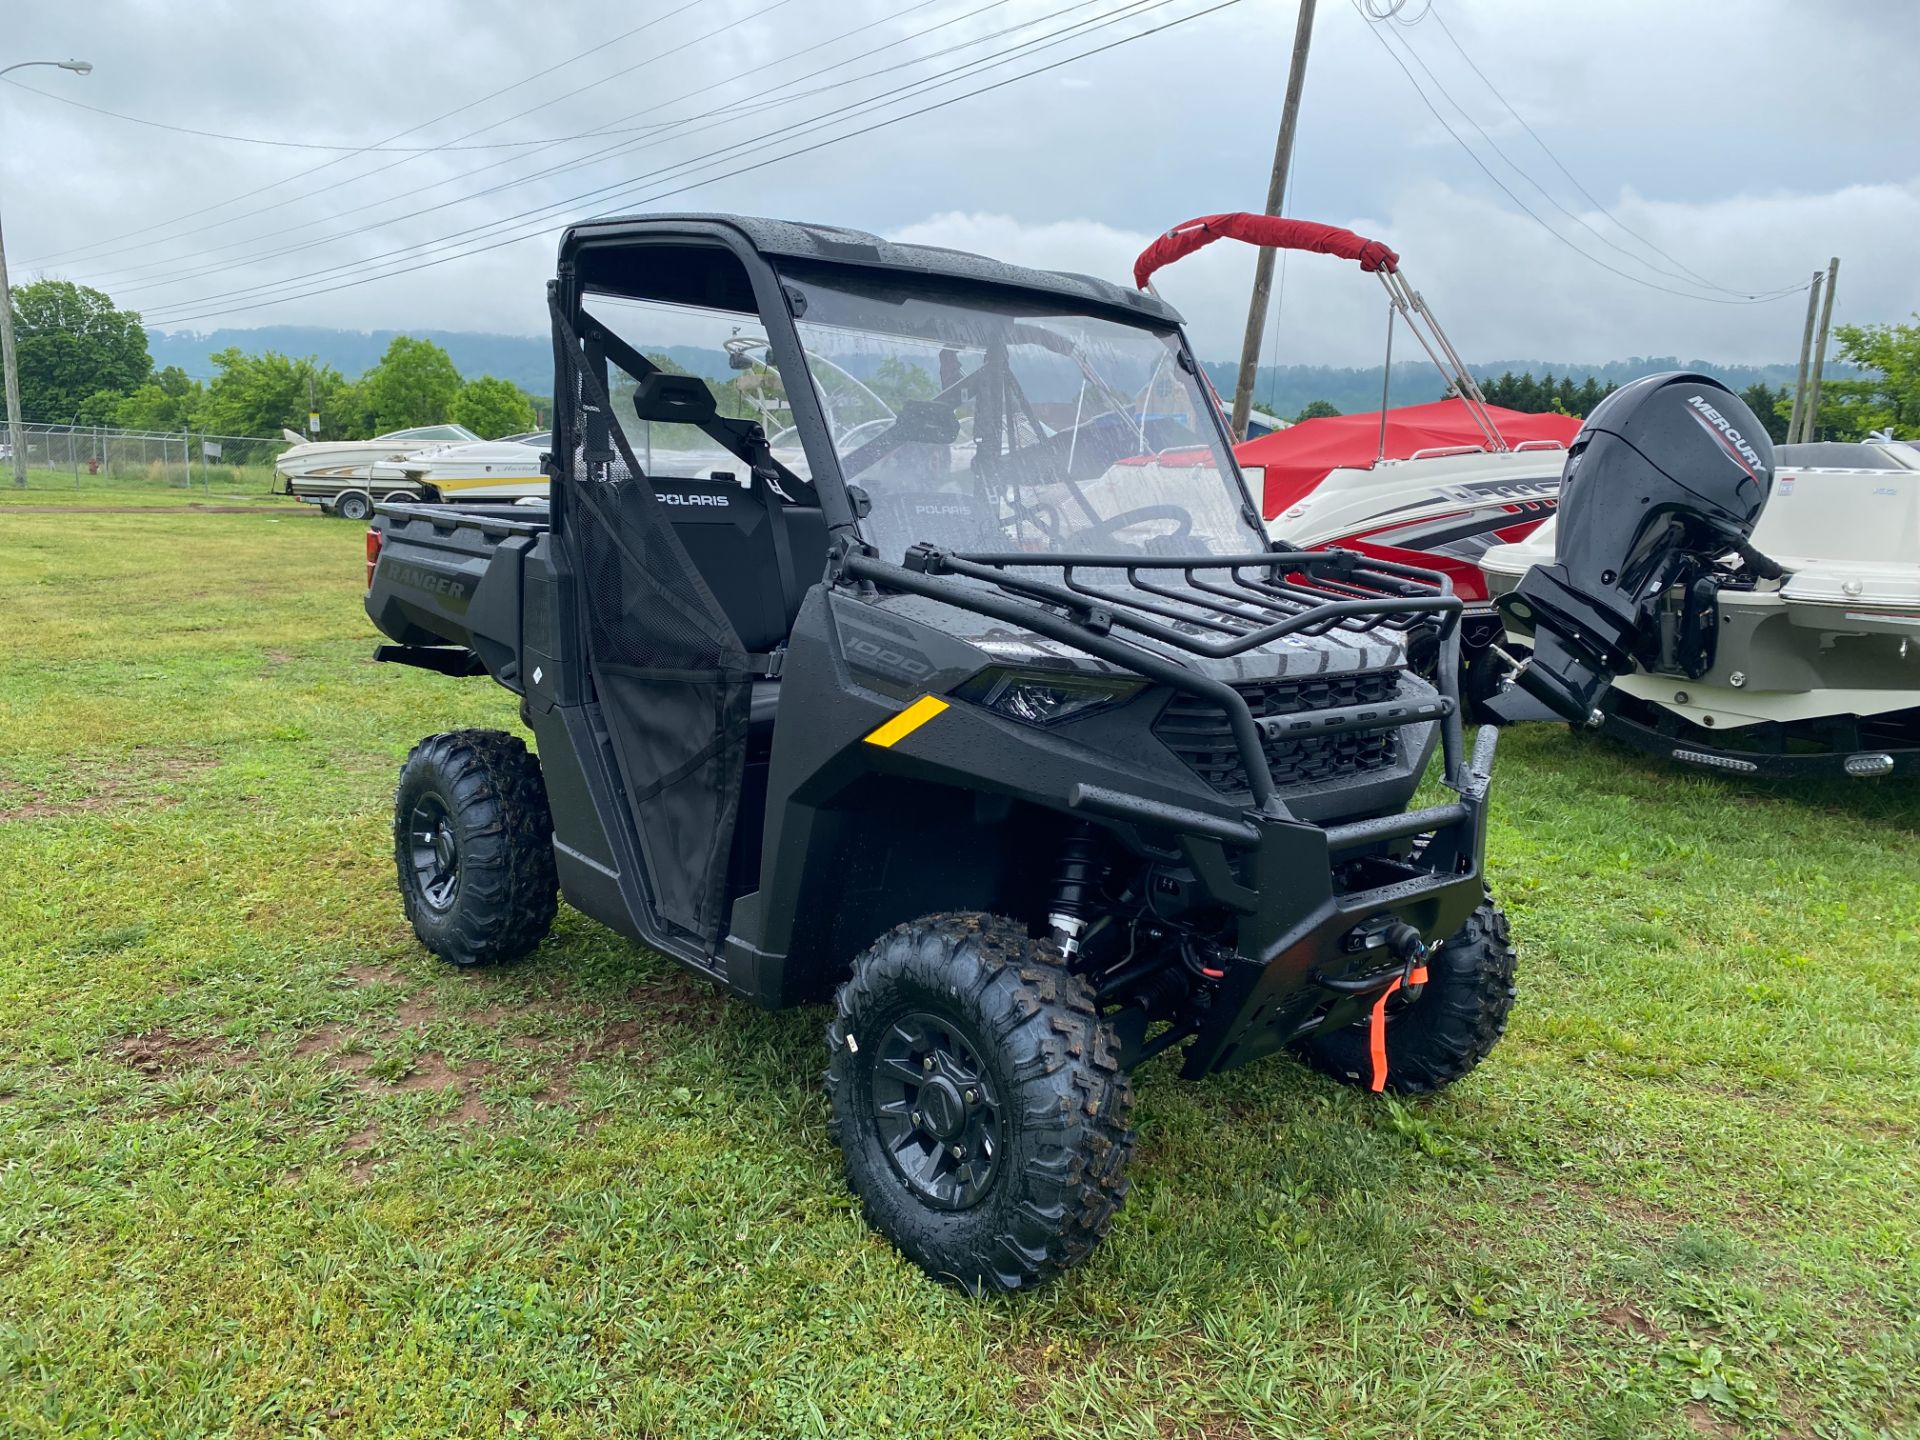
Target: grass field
268,1169
137,485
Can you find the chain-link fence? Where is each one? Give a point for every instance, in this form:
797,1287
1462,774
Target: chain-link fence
100,456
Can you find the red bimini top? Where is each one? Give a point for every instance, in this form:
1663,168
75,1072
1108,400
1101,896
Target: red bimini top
1273,230
1298,458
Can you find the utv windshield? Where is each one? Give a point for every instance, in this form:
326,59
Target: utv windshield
1004,422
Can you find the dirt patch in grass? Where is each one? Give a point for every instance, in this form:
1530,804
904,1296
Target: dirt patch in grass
160,1053
430,1072
327,1038
680,997
635,1041
374,975
1038,1366
1702,1421
362,1139
142,780
472,1110
358,1145
1625,1317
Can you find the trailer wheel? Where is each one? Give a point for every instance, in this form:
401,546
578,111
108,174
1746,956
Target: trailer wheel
1452,1025
979,1102
473,846
353,505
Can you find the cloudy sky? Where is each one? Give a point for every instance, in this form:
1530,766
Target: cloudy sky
1709,149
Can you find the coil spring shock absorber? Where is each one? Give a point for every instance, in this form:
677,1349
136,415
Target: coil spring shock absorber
1076,881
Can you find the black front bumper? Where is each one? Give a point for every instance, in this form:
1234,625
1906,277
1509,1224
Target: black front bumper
1307,894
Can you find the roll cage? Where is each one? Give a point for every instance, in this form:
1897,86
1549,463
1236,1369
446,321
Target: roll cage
611,257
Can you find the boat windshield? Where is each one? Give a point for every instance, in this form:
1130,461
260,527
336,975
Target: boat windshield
433,435
1009,421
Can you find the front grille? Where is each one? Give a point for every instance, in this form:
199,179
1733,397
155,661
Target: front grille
1197,731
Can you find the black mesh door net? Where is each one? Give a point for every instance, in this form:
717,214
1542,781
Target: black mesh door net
673,679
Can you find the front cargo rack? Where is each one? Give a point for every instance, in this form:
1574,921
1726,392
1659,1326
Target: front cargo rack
1262,598
1228,605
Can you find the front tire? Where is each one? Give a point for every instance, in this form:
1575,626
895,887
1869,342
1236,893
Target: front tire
1453,1024
473,847
353,505
978,1101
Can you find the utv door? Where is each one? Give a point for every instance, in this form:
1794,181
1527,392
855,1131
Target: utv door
672,677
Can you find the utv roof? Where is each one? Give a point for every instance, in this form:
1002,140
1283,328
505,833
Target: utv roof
833,245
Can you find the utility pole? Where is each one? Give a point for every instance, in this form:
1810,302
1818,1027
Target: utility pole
1820,351
1806,353
1276,192
16,437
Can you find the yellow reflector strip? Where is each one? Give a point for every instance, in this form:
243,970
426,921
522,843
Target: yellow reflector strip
907,721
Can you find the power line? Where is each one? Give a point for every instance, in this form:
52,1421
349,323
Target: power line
728,111
1520,170
1571,178
1580,220
757,165
638,65
1532,215
341,159
802,126
357,149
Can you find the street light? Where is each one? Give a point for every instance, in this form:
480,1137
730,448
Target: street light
16,437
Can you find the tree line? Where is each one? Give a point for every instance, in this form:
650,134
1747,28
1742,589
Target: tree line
1882,398
84,361
1517,392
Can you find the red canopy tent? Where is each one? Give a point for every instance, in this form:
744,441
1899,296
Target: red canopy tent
1298,458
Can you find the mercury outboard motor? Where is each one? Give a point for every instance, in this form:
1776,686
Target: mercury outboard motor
1668,474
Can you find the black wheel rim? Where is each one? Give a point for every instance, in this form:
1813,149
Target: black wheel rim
936,1111
433,849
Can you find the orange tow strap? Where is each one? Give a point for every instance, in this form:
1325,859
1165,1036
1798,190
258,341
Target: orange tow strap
1377,1026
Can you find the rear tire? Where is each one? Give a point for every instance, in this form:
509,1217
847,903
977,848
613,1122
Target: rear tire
473,847
353,505
1437,1038
961,1032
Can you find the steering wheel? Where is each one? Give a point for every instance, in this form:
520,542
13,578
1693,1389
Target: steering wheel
1109,529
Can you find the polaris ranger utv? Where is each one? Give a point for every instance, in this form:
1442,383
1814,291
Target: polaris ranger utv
939,664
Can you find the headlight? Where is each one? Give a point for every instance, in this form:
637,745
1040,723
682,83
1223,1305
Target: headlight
1046,697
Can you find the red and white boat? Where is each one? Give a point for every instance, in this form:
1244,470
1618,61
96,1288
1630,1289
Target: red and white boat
1434,494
